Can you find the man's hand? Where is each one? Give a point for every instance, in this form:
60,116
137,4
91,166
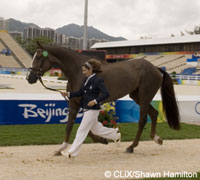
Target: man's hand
91,103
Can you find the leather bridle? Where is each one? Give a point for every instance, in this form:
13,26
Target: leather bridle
39,73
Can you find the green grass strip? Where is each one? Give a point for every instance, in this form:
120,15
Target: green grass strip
15,135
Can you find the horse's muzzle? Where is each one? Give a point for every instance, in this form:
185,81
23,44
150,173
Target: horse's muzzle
31,77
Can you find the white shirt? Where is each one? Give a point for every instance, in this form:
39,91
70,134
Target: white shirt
89,78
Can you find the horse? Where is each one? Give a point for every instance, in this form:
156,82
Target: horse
137,78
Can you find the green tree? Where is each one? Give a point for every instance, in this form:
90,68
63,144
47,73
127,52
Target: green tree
195,31
21,41
173,75
31,45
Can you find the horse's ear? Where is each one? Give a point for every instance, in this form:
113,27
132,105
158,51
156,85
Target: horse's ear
39,45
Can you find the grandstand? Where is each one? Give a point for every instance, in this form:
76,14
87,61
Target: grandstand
172,63
19,58
7,61
171,53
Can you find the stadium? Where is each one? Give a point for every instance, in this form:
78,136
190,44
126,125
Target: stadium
174,54
178,55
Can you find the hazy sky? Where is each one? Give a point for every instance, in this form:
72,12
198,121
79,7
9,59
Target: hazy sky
127,18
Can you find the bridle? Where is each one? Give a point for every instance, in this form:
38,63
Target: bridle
39,72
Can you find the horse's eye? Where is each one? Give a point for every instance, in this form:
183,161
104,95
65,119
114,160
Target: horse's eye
45,53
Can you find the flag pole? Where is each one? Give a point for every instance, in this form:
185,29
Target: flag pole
85,32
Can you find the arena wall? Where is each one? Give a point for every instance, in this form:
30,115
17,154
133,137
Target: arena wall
51,109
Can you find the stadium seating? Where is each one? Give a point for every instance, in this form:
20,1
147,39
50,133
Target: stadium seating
189,71
153,58
172,63
8,61
22,58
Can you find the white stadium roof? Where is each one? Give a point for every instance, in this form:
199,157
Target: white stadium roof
145,42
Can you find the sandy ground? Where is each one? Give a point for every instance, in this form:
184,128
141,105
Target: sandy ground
37,162
18,84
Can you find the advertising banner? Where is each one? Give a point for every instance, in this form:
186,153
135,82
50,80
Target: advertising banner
34,112
43,111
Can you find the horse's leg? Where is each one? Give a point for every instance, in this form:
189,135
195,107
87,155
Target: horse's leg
153,113
73,110
142,121
144,109
97,139
143,96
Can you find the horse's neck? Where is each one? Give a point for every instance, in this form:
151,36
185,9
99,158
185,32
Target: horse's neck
72,70
70,63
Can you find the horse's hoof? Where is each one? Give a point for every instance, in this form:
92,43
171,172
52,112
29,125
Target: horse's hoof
57,153
158,140
129,150
104,141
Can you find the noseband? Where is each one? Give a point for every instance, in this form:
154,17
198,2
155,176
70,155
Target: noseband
39,71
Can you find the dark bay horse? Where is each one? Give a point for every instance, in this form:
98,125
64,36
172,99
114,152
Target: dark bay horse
138,78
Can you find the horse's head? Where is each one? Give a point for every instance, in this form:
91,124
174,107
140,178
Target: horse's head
40,64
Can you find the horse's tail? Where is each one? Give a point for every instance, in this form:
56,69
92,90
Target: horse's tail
170,106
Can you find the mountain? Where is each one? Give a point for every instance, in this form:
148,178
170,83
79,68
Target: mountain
15,25
77,31
68,30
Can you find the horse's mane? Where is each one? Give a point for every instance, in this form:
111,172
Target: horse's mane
63,52
59,51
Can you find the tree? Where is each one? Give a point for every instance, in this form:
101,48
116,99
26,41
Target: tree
31,45
195,31
21,41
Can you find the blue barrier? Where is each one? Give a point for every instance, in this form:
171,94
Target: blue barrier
127,111
14,112
5,72
34,112
192,60
31,111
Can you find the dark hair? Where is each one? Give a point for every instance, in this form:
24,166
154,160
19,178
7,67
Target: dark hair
93,64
